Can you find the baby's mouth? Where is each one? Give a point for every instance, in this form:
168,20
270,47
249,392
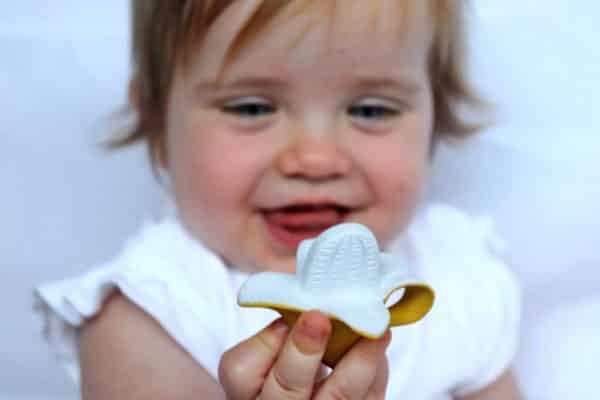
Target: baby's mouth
292,224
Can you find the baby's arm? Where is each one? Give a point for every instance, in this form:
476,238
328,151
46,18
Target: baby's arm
504,388
125,354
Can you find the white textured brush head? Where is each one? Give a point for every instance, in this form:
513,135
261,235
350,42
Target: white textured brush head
341,273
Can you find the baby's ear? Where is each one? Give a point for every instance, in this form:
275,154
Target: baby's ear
133,95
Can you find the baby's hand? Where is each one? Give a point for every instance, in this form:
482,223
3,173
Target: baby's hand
273,365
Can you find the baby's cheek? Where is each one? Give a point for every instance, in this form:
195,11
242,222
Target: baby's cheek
214,170
400,190
410,185
400,173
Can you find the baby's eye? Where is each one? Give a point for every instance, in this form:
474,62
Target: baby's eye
249,108
373,111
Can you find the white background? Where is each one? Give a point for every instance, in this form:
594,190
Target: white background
66,205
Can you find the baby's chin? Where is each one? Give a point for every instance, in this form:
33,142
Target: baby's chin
276,264
285,264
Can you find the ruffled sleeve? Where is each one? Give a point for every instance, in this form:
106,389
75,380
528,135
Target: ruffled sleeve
477,294
179,283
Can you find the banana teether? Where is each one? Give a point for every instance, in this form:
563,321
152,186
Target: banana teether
343,274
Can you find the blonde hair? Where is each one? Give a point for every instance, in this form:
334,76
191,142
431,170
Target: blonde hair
165,33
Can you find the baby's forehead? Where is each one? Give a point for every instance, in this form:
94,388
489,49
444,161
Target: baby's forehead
304,31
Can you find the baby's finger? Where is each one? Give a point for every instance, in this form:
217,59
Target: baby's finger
243,368
379,387
294,373
356,373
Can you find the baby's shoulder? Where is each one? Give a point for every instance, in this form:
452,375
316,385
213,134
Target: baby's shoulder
454,232
478,298
162,282
461,257
164,258
443,240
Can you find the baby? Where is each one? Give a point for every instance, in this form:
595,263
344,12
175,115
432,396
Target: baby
274,121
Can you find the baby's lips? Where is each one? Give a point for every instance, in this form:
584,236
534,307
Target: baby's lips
323,217
343,274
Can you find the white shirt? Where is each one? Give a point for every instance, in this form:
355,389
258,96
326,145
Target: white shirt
467,340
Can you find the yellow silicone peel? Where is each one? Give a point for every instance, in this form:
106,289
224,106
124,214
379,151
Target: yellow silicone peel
343,274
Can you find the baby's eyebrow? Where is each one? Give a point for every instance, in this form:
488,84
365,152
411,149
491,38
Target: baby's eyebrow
267,82
404,85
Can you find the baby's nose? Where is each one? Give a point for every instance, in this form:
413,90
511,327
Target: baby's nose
315,157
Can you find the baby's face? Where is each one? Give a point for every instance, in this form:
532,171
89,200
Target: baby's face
315,124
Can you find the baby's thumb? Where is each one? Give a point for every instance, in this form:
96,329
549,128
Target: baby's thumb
243,368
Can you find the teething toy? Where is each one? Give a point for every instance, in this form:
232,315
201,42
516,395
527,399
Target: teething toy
343,274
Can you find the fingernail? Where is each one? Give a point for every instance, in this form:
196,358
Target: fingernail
279,328
312,333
